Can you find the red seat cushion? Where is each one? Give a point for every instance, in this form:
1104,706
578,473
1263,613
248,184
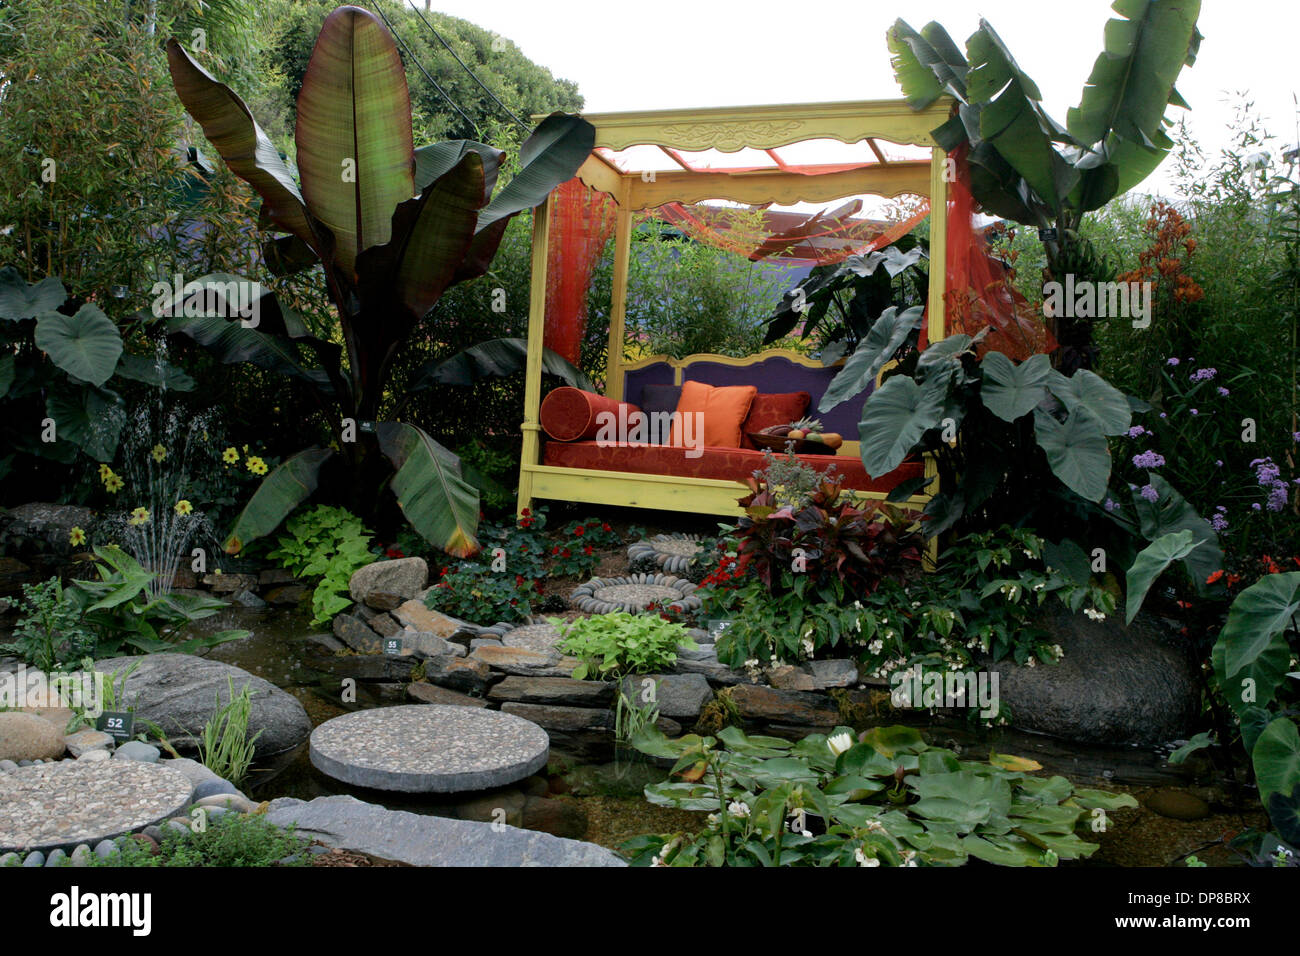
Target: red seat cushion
570,414
735,464
773,408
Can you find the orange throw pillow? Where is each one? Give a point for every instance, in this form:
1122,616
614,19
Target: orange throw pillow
723,410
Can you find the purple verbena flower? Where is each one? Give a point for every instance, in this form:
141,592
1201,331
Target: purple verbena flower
1149,459
1266,472
1219,522
1255,506
1278,496
1204,374
1149,493
1137,431
1109,505
1171,361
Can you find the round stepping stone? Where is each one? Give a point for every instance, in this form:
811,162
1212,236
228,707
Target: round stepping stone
533,637
429,748
62,804
664,552
634,594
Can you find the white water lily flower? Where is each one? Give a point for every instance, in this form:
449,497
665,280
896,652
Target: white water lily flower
839,743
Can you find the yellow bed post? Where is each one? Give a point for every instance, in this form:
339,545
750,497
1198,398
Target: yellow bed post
531,454
618,303
936,326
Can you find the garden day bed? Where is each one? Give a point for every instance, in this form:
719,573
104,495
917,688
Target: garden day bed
661,477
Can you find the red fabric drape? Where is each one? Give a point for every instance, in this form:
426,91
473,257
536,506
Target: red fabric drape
980,294
581,222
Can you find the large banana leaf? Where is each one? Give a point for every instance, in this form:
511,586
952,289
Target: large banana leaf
436,160
436,500
19,301
495,358
247,150
86,345
1132,80
354,114
233,342
430,236
551,155
284,489
926,64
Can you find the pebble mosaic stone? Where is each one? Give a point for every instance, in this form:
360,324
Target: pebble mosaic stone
533,637
634,594
664,552
61,804
429,748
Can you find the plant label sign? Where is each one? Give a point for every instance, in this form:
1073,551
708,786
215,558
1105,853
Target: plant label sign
1048,235
717,626
393,646
116,724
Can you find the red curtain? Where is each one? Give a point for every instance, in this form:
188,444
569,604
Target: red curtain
581,222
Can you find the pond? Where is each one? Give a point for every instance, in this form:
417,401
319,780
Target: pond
592,790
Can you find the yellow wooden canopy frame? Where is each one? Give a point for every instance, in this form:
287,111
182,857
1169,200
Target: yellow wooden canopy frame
727,130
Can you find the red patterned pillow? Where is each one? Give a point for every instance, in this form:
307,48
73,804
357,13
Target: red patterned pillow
773,408
570,414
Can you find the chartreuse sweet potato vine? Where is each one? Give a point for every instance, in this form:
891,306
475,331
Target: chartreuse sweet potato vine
889,799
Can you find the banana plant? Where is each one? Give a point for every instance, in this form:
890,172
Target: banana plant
1026,166
392,227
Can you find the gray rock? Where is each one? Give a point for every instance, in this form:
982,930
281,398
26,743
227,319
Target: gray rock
713,671
791,677
7,765
458,673
180,826
346,822
247,598
56,858
834,673
676,695
194,771
558,717
215,813
426,644
93,755
153,832
28,737
433,694
523,662
1115,685
384,600
705,652
180,692
357,634
137,750
235,802
786,706
10,859
212,788
554,690
404,577
476,642
230,583
35,858
86,740
384,625
106,848
415,615
80,856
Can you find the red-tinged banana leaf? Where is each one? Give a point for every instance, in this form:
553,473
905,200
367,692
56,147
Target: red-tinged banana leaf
280,492
436,160
353,135
430,235
247,150
231,343
436,500
550,156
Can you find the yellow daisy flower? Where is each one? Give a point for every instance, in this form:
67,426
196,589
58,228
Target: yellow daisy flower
230,455
183,507
139,516
104,472
113,484
256,465
76,536
158,453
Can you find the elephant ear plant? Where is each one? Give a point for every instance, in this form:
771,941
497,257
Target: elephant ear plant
1027,167
392,227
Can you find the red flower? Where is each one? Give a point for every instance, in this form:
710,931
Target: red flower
577,532
1214,577
555,550
393,551
605,527
568,553
586,549
526,512
519,580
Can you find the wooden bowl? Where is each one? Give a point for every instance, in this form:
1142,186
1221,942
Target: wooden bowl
802,446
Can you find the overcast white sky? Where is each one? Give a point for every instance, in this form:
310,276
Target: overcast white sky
663,54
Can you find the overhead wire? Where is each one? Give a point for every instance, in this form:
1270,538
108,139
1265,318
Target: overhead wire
420,66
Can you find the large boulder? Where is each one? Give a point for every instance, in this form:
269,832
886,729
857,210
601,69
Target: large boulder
28,737
1115,685
403,577
42,528
180,692
421,840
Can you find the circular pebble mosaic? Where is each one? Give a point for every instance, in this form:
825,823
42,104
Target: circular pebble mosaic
429,748
63,803
664,552
533,637
634,594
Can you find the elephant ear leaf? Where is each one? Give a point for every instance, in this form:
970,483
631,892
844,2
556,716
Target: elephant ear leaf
19,301
1077,451
280,492
1276,759
1009,390
895,418
1151,562
1252,643
86,345
438,502
887,334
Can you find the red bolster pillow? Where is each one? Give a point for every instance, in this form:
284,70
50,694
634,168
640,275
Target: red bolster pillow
570,414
